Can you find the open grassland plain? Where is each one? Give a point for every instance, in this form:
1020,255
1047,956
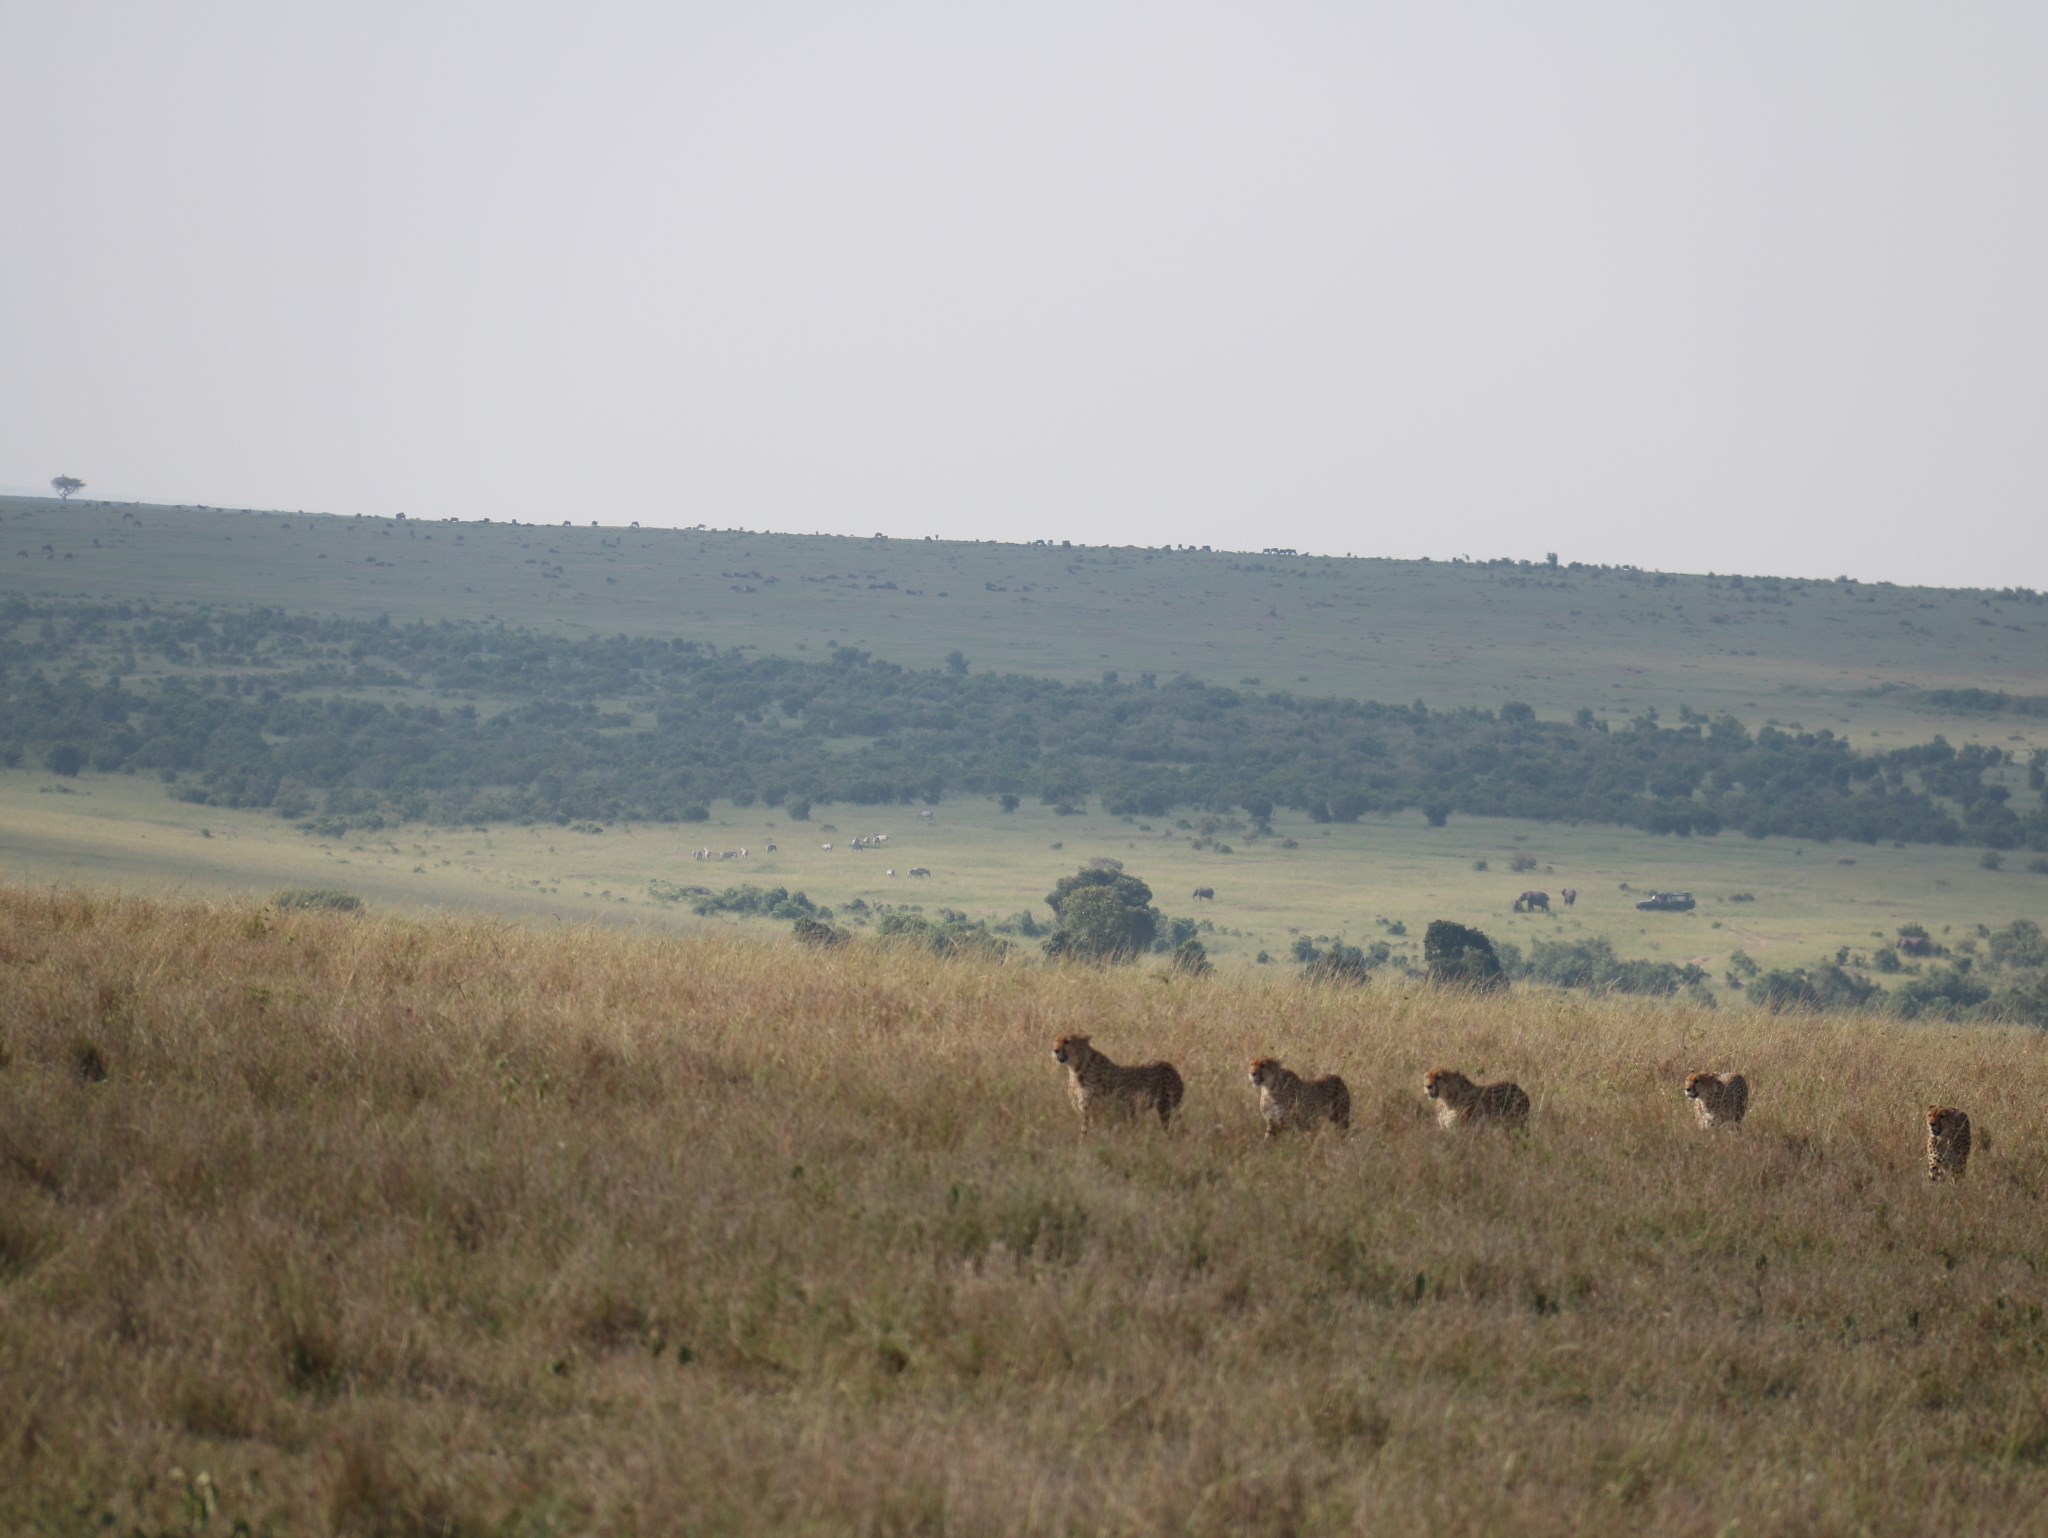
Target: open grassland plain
1780,902
322,1223
1853,658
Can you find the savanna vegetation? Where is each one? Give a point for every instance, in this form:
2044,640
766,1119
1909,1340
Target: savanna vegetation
1989,974
317,1221
1105,913
1888,665
362,723
314,1218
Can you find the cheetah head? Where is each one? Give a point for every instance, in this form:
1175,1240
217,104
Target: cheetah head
1433,1080
1263,1070
1692,1084
1068,1048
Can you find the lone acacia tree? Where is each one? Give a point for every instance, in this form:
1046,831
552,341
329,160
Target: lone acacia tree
64,485
1103,914
1461,957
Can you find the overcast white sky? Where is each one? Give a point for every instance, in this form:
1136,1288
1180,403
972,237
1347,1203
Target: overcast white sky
1731,286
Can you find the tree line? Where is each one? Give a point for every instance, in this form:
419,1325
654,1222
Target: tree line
347,722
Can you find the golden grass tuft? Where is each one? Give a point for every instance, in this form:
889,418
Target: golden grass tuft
431,1227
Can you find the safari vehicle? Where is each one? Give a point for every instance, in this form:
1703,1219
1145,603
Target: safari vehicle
1666,902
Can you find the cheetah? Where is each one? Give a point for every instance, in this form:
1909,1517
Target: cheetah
1286,1099
1460,1102
1718,1099
1093,1078
1948,1143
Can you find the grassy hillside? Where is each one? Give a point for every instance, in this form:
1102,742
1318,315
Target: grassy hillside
330,1224
1616,642
1852,658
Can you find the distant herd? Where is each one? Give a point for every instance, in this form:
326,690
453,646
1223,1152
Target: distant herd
1099,1086
1528,902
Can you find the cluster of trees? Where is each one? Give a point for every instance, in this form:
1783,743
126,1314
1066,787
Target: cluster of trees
361,722
1101,915
1983,701
1592,965
1453,955
949,933
747,901
1456,953
1992,975
1340,963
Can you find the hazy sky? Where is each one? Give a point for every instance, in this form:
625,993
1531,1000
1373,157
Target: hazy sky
1729,286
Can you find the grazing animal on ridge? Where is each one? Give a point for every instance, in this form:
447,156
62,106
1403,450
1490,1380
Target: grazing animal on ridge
1205,893
1718,1099
1570,895
1093,1080
1948,1143
1529,902
1286,1099
1461,1103
919,870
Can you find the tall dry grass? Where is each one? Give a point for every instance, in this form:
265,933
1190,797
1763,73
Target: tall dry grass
323,1223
